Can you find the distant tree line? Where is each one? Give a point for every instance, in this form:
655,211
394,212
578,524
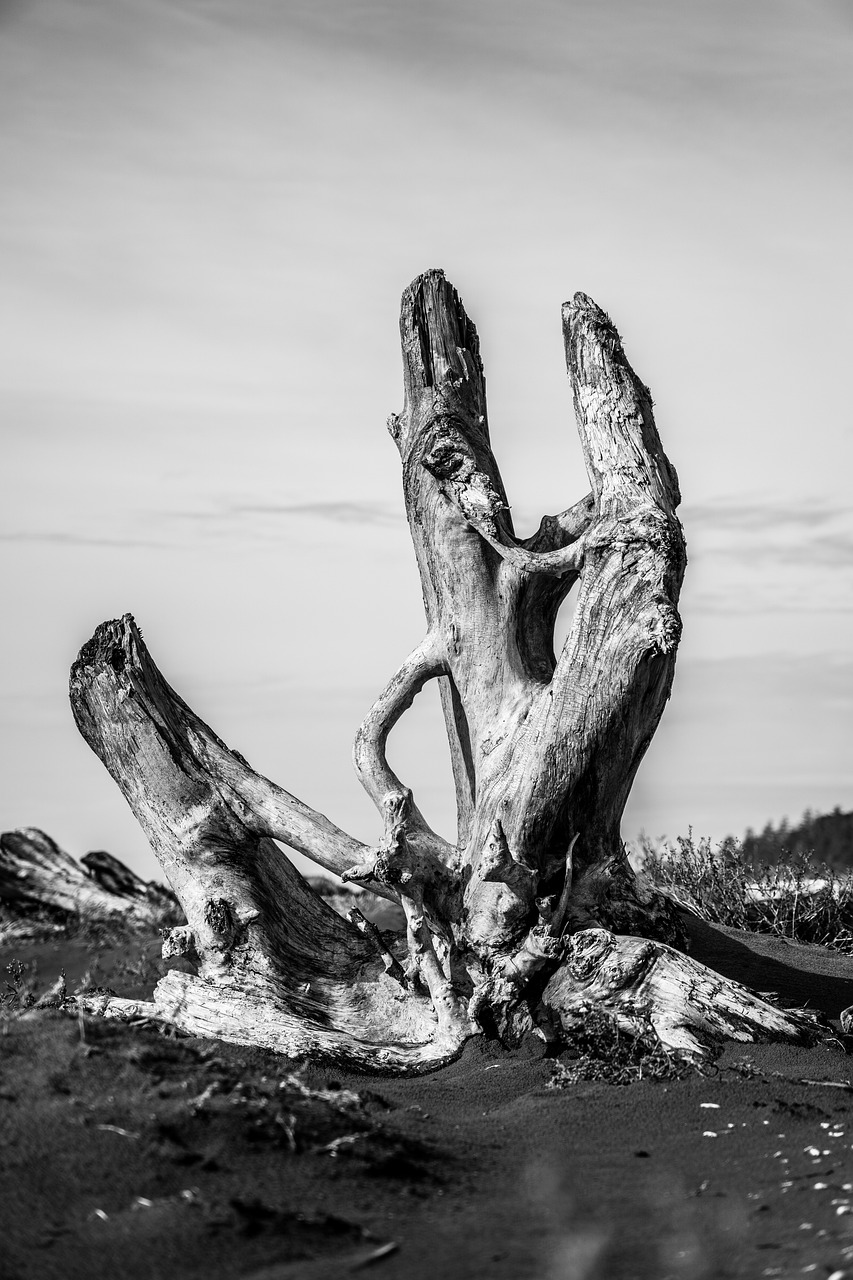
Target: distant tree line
824,838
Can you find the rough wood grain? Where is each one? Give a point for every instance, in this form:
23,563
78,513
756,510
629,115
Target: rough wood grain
258,938
644,984
536,893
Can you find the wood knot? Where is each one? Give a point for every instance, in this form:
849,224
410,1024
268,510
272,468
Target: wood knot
446,459
398,807
219,918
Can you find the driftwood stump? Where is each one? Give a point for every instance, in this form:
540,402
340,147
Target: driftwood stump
533,915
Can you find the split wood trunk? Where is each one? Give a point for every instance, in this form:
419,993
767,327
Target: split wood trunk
533,915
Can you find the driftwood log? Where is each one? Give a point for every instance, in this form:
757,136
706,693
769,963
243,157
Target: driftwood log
37,877
534,914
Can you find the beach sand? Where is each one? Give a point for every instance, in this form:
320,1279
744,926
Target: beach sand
130,1153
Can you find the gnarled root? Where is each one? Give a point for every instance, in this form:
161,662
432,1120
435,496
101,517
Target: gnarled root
407,1040
644,984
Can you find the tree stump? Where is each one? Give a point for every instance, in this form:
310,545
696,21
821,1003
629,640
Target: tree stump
534,914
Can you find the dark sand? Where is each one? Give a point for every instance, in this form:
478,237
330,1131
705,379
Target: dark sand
126,1153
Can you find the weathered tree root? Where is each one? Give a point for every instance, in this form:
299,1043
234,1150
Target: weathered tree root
536,891
207,1009
643,984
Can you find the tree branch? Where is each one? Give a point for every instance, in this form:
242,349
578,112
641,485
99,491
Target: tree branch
445,410
264,808
275,964
614,675
565,527
452,462
374,773
625,461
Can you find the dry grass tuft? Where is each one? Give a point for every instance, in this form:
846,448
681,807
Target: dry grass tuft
794,898
598,1049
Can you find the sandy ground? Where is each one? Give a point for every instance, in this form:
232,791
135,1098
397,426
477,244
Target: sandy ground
127,1153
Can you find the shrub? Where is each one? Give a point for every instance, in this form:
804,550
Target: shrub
598,1049
17,989
794,897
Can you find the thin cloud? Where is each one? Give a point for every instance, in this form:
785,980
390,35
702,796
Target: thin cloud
742,515
828,551
812,532
78,540
745,602
755,557
342,512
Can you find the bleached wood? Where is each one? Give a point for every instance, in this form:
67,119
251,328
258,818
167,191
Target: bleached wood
644,984
544,750
258,938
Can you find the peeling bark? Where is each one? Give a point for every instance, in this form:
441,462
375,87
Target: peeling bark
536,894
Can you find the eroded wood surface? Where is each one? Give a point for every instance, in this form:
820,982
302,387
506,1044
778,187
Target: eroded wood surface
544,749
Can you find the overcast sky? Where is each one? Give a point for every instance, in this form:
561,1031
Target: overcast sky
207,215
